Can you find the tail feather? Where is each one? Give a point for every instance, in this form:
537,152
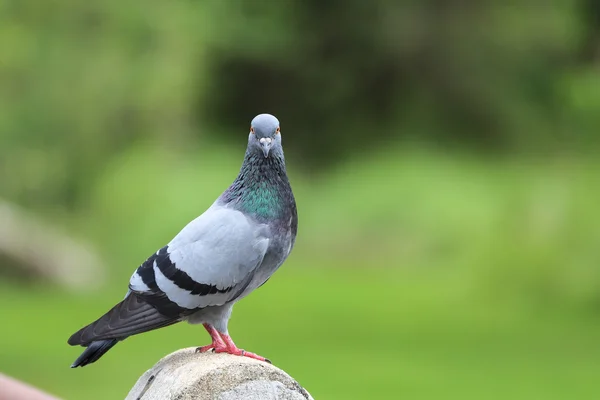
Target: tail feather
93,352
131,316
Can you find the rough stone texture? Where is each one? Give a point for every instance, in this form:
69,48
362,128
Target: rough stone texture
186,375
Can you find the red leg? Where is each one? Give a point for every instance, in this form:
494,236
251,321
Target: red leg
231,348
217,342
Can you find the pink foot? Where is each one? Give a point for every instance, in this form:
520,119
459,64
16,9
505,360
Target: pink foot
231,348
217,342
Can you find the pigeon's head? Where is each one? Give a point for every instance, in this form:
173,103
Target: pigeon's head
265,135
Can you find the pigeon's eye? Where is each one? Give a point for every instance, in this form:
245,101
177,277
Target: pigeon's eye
252,130
277,130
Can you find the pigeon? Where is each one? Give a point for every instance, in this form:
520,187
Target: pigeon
216,260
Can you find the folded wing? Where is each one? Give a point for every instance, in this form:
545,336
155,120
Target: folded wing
209,263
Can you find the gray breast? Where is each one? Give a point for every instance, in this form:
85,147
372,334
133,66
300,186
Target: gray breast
280,247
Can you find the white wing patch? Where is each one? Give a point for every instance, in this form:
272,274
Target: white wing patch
182,297
136,283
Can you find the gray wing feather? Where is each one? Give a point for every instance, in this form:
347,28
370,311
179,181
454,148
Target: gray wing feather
221,248
131,316
217,252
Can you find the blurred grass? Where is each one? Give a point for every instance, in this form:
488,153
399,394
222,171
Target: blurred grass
342,333
416,274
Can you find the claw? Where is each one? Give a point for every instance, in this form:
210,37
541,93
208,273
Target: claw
217,342
231,348
204,349
222,343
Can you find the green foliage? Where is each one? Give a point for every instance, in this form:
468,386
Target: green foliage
422,267
85,80
358,74
82,81
422,274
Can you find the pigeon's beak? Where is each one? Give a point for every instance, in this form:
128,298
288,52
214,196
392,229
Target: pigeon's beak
265,144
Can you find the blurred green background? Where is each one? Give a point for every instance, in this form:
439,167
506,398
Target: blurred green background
444,156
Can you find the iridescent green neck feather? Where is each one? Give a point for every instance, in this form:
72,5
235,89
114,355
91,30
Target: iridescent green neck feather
262,188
